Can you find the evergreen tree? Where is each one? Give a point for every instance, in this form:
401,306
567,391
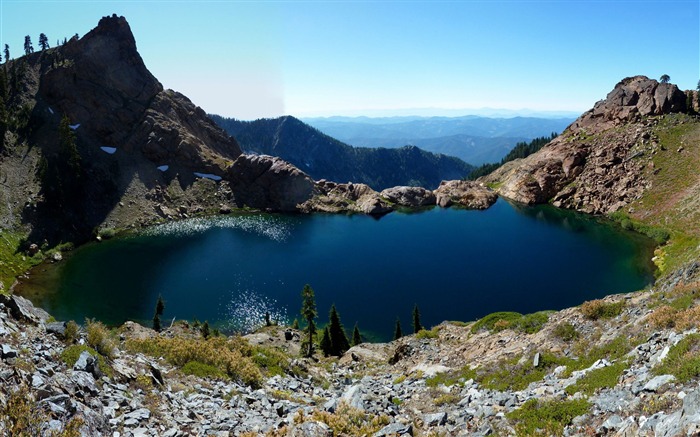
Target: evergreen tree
416,320
160,307
7,52
356,337
397,330
295,324
339,340
308,311
156,323
43,41
665,78
28,47
326,344
205,330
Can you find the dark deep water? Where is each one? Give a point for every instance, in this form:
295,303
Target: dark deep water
455,264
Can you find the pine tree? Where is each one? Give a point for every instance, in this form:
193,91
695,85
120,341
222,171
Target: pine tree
295,324
43,41
308,311
156,323
325,344
356,337
7,52
339,340
205,330
416,320
28,47
665,78
397,330
160,307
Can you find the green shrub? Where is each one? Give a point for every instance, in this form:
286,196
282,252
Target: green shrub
100,338
532,323
72,332
202,370
489,322
425,334
231,357
511,375
528,323
546,417
598,378
71,354
611,351
683,359
566,331
599,309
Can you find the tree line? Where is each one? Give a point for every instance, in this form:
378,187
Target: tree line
521,150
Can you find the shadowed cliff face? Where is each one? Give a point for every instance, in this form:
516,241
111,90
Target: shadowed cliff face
598,164
112,101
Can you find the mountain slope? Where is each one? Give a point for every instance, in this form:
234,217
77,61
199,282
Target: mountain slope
323,157
473,139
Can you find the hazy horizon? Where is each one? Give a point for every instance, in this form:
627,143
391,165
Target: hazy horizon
250,60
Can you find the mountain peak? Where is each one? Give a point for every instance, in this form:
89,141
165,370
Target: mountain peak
632,98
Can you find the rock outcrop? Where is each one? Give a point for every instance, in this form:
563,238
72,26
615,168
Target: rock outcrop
598,164
412,197
268,183
333,198
468,194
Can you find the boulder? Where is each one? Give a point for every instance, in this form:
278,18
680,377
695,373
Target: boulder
468,194
23,309
337,198
412,197
269,183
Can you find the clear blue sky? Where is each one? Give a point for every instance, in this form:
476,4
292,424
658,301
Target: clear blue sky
249,59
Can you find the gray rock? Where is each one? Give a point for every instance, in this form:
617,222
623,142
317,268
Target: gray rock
657,382
23,309
612,423
57,328
331,405
536,360
394,429
85,362
353,397
8,351
312,429
85,382
409,196
436,419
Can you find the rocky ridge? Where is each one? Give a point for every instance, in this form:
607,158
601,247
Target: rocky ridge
601,162
405,385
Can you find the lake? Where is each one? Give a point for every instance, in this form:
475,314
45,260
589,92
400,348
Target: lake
454,264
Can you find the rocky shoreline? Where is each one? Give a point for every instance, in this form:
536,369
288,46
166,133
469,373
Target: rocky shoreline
418,385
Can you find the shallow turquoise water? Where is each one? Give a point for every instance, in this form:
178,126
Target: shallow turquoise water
455,264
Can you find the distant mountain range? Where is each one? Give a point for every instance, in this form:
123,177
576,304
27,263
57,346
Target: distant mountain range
473,139
323,157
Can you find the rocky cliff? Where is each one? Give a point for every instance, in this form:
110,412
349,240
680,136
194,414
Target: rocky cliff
602,161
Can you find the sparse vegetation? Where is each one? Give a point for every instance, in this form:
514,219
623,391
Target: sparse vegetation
233,357
600,309
546,417
598,378
427,334
346,420
100,338
566,332
683,359
23,418
528,323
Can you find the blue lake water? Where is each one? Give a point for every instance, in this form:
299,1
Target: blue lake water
454,264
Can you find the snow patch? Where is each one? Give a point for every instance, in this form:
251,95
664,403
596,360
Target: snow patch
163,167
109,150
74,126
213,177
